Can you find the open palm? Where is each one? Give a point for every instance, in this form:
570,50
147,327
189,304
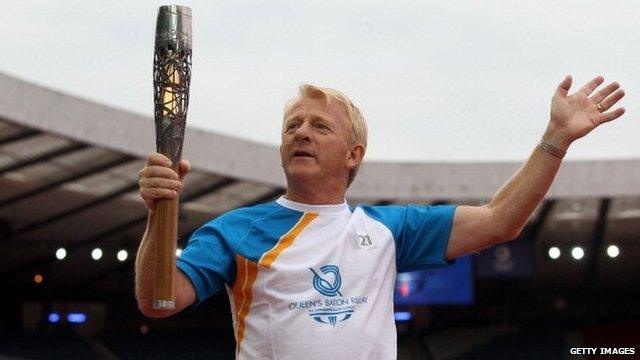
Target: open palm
578,114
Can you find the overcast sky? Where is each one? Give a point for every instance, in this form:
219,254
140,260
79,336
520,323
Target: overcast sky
437,81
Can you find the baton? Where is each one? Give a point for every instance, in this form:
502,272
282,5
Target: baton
171,79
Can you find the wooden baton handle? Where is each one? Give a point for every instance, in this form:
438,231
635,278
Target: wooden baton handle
166,238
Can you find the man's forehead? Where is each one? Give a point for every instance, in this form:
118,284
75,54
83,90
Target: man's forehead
303,106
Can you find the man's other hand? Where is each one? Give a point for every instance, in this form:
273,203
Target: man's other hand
574,116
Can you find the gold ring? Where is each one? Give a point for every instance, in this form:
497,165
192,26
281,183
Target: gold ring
599,106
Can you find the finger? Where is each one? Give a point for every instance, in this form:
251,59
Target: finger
564,86
611,115
602,94
591,85
184,167
157,193
607,103
157,159
158,172
160,183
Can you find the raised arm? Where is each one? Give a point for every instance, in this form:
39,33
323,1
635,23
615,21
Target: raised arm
158,181
572,117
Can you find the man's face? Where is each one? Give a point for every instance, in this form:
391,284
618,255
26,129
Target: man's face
315,142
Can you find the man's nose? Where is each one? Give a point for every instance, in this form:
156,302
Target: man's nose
303,132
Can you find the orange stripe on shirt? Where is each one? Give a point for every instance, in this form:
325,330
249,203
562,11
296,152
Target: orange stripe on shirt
243,294
241,279
286,241
247,272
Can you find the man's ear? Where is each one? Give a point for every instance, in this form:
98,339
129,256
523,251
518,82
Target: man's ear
355,156
281,155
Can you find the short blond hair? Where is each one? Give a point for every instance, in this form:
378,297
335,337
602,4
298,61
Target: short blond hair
358,133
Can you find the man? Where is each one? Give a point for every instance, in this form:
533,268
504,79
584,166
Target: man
310,277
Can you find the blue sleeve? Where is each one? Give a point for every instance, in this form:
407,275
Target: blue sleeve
209,257
421,233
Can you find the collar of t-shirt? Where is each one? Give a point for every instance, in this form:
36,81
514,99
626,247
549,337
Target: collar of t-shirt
319,209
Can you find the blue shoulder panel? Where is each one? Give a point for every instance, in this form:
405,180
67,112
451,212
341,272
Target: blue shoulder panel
209,257
266,231
421,233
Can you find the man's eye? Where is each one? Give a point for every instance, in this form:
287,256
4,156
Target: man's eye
321,126
292,126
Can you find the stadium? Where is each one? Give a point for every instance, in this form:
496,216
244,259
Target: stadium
71,220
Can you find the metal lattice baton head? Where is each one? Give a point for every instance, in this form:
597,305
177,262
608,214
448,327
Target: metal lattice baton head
171,78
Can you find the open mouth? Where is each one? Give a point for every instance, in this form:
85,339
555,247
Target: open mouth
300,153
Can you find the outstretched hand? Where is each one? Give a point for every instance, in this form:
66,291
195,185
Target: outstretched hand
576,115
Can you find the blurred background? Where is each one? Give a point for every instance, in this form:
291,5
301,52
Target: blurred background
456,96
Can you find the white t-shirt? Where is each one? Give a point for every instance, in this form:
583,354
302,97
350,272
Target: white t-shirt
314,281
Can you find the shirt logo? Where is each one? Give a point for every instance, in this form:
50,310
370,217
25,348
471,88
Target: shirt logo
365,241
333,306
334,311
323,286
